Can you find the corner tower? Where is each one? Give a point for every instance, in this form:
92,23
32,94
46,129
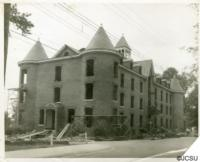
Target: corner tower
123,48
178,104
100,63
27,84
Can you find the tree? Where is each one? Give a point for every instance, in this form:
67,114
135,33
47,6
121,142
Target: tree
20,20
192,98
11,14
189,82
169,73
192,107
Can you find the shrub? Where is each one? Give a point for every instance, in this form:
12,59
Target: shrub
102,128
76,128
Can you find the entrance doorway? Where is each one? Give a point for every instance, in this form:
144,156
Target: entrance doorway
50,119
71,113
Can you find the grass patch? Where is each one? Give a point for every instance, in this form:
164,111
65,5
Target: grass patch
23,145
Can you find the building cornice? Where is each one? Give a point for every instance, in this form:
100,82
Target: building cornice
131,71
101,51
69,57
160,85
169,89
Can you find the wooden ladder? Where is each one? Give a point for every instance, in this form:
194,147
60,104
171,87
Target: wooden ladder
60,135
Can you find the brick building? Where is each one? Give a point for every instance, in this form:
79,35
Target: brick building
100,80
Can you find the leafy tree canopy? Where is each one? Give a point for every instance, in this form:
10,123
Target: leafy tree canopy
20,20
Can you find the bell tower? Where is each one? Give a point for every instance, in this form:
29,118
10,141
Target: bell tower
123,48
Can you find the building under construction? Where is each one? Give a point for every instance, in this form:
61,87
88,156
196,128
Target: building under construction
98,82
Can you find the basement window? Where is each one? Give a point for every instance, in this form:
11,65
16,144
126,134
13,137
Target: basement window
132,120
20,118
166,123
141,120
161,121
88,118
41,117
24,76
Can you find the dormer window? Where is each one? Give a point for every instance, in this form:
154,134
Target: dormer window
66,53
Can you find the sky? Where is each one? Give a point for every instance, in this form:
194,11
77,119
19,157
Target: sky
153,31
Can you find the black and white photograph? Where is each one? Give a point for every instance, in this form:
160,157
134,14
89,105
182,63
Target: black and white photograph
100,79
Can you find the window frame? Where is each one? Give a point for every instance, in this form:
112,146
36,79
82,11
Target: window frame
24,76
132,101
89,91
89,67
115,69
131,120
41,117
88,119
122,76
57,92
141,87
58,73
122,96
141,104
115,92
132,84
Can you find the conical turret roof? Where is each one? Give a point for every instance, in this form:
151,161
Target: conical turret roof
175,85
100,41
36,53
122,43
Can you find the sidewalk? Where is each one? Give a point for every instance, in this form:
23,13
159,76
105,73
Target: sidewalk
56,151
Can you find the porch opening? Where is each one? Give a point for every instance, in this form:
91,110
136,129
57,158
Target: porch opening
71,113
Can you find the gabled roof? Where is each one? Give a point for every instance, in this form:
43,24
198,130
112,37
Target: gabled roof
122,43
146,65
60,53
100,41
175,85
36,53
